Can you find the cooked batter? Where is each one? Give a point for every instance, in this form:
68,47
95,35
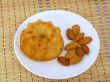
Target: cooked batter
41,41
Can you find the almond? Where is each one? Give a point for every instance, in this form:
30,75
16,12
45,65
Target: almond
75,60
64,61
85,49
70,54
79,37
79,52
71,45
70,34
76,29
85,40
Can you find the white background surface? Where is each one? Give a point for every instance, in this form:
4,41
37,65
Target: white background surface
52,69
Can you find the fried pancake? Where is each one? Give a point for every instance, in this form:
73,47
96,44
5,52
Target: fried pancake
41,41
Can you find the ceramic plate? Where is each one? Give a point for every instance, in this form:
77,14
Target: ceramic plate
53,69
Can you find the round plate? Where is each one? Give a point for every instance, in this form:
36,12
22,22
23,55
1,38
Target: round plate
53,69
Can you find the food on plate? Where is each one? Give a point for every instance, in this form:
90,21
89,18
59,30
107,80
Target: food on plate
64,61
41,41
70,54
70,34
75,60
85,40
79,37
79,52
76,29
85,48
77,48
71,45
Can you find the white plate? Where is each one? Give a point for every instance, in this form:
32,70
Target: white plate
52,69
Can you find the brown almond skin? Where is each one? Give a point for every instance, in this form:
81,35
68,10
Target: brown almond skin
79,37
85,40
70,54
64,61
85,49
76,29
70,34
71,45
79,52
75,60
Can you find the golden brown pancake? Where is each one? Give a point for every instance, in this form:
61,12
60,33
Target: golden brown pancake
41,41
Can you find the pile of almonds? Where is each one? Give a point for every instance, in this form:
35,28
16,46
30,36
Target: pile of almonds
77,48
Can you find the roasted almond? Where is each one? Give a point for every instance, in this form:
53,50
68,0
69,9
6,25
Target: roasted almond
76,29
75,60
64,61
70,34
70,54
85,49
79,52
85,40
71,45
79,37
